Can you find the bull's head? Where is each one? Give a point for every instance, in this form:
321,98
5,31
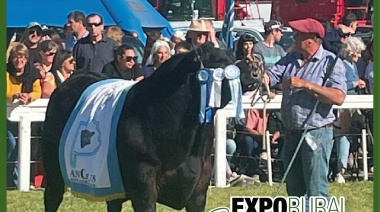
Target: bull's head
218,80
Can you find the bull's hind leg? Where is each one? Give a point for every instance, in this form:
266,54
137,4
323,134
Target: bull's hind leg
144,195
115,205
55,186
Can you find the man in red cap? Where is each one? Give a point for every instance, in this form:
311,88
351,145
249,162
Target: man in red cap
309,93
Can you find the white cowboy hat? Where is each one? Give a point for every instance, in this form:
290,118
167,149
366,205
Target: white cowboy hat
198,26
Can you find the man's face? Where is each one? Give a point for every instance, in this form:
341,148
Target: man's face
34,34
354,25
199,37
95,26
277,34
301,40
74,25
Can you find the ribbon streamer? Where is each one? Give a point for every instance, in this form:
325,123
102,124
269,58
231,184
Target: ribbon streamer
232,72
203,77
216,88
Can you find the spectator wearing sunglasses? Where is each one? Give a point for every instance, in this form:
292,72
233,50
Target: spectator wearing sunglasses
63,66
197,33
96,50
31,37
51,34
159,54
47,51
125,65
334,39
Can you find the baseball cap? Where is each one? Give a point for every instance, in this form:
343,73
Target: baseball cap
34,24
273,24
308,25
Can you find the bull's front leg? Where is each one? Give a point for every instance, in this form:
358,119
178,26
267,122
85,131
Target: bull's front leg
197,200
144,196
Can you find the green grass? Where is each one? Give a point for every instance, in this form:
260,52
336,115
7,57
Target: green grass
358,195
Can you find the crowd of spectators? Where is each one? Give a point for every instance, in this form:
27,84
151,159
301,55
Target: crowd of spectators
41,61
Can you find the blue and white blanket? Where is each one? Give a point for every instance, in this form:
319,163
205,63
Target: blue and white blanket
87,152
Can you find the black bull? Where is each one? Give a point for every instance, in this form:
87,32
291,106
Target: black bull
163,150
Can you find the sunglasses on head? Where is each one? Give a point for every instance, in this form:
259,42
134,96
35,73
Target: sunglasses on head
31,32
130,58
94,24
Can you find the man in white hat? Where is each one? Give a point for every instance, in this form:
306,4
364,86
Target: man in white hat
197,33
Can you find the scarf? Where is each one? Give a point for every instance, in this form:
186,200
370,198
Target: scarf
27,79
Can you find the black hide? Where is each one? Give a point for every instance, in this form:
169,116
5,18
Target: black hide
163,151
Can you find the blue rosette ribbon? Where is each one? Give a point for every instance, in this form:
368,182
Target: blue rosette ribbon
204,78
232,73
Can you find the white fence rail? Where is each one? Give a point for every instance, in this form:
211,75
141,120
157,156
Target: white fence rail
35,112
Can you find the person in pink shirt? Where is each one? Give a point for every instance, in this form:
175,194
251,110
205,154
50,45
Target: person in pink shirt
250,141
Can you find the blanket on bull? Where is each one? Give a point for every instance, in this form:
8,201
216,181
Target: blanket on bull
87,152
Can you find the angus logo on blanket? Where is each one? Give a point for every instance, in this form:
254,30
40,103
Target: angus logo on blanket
85,138
81,176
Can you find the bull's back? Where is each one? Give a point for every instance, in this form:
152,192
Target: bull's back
63,101
61,104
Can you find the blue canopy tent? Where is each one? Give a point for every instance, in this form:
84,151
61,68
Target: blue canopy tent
51,12
128,15
138,16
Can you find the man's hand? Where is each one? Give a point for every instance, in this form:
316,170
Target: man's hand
360,83
275,137
297,82
24,98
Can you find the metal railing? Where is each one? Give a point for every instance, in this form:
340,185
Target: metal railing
35,112
351,101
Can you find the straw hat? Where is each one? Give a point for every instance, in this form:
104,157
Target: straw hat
198,25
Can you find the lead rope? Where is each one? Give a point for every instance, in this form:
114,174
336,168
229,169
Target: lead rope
258,65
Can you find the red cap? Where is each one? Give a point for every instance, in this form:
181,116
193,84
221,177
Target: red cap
308,25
